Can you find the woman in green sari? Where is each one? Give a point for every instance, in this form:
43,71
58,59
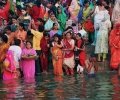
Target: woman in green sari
62,18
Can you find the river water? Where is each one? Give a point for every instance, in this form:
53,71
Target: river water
105,86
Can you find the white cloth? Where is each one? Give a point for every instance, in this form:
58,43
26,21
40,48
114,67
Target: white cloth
17,53
83,33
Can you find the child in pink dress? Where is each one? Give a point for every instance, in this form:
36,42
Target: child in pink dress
28,61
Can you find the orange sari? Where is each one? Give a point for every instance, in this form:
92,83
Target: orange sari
57,59
114,42
3,50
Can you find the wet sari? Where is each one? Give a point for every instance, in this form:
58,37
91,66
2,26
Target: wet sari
114,42
3,50
82,54
44,54
57,59
68,55
28,65
9,71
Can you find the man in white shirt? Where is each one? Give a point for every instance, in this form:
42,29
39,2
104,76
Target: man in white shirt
16,52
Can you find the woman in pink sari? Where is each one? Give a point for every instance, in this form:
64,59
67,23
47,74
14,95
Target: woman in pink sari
28,61
68,50
9,71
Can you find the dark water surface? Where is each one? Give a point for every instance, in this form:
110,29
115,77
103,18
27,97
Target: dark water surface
105,86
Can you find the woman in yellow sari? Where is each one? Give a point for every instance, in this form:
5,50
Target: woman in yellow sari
57,56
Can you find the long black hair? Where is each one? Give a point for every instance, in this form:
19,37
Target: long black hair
22,25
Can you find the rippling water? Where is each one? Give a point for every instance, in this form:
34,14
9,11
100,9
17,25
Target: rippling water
105,86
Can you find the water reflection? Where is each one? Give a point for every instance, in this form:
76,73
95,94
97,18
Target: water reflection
116,87
11,89
59,90
105,86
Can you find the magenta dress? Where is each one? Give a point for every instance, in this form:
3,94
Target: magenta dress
28,65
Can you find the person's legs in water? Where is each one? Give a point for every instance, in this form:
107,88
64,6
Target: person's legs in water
38,68
99,56
66,69
71,71
104,56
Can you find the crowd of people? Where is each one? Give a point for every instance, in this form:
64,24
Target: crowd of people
37,34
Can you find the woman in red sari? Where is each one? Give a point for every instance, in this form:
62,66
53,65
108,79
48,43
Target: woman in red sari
114,42
68,50
44,52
